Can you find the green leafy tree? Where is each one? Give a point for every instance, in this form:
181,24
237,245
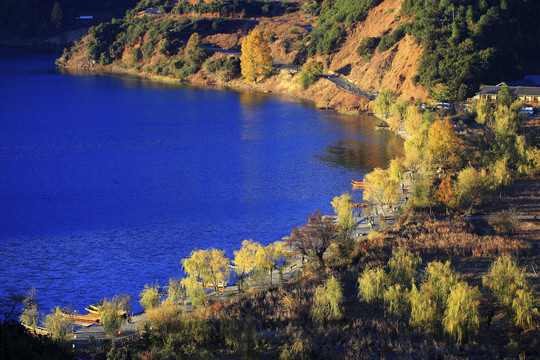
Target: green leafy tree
397,301
112,317
382,103
429,302
310,73
328,302
472,186
256,60
509,284
525,308
505,96
484,111
461,317
149,297
175,291
194,51
424,311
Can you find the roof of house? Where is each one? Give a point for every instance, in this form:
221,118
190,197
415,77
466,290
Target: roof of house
517,90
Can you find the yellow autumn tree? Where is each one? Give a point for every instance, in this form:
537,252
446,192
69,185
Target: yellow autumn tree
380,188
443,144
245,259
209,266
256,60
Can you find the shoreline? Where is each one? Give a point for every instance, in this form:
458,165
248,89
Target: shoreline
239,84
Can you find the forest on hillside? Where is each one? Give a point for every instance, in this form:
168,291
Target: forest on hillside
466,42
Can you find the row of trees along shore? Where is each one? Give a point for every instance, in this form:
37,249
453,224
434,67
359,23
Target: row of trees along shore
454,164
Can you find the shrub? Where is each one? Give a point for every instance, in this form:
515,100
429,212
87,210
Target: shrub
164,319
310,73
461,317
327,302
149,296
367,47
59,324
110,316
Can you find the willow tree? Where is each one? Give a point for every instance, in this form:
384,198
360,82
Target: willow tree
382,103
245,260
328,302
461,317
209,266
343,207
380,188
256,60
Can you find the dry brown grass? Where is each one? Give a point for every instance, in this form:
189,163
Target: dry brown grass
454,238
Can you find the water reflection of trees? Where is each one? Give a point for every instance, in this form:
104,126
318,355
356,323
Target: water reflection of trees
363,146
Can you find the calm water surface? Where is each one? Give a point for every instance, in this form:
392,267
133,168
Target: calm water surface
107,182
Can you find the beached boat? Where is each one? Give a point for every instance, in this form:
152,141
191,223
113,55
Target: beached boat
91,310
38,330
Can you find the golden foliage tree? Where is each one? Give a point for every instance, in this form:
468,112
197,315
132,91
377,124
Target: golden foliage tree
380,188
210,266
443,144
245,259
256,60
343,207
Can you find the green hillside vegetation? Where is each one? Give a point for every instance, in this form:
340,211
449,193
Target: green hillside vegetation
30,18
467,43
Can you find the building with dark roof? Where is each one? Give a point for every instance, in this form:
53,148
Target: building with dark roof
530,95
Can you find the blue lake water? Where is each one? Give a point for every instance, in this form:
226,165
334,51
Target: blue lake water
107,182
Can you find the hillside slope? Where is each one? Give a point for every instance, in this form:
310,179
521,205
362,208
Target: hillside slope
393,69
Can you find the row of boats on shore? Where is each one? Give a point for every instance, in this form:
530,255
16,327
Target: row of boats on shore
82,320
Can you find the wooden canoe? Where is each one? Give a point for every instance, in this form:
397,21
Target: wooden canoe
38,330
